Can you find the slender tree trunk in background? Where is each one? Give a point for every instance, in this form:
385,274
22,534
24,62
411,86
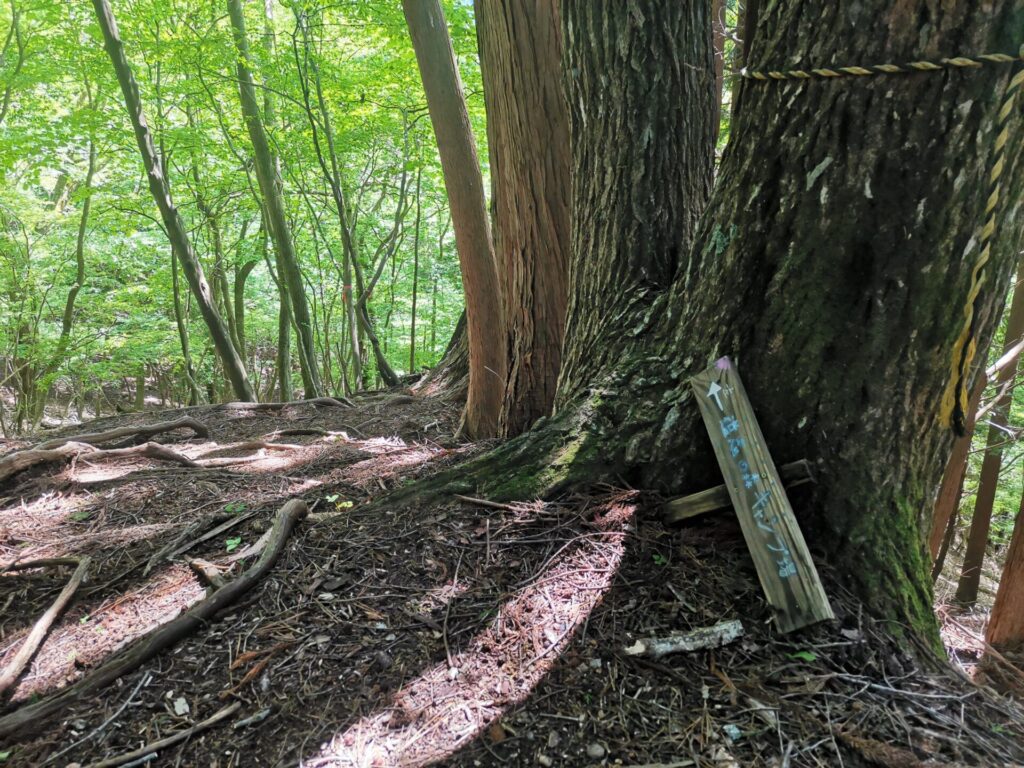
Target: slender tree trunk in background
718,46
998,435
284,324
384,370
140,389
951,490
68,316
14,36
269,178
415,271
843,334
333,176
219,334
241,276
457,148
179,320
283,359
520,59
1006,624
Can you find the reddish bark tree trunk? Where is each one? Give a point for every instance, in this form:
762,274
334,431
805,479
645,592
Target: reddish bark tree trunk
457,148
984,500
528,139
1006,624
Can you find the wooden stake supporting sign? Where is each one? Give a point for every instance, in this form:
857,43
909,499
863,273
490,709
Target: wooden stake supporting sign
784,567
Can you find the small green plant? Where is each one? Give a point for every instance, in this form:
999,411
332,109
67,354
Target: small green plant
659,559
337,501
4,755
233,543
81,516
234,507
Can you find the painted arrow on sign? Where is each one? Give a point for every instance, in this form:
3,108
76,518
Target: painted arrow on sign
714,391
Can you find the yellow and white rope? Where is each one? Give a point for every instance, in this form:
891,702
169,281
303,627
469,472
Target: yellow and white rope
953,406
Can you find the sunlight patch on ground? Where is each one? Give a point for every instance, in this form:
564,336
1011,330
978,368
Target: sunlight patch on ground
449,704
87,637
388,464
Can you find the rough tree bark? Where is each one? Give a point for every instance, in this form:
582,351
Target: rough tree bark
175,227
269,179
485,323
988,481
843,332
1006,624
528,141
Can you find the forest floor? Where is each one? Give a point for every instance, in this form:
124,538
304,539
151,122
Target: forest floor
403,632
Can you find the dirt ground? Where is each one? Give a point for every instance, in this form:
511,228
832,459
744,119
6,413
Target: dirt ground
447,632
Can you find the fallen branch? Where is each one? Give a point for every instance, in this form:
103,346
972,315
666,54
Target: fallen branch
164,636
14,463
49,562
676,510
298,431
169,741
484,502
208,572
695,640
326,402
35,637
145,431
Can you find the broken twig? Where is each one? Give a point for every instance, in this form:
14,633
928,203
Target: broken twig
35,637
695,640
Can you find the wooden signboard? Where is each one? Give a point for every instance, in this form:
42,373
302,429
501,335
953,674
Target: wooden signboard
784,566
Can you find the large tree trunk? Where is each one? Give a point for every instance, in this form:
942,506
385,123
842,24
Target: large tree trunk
457,148
269,179
843,333
991,465
520,49
158,186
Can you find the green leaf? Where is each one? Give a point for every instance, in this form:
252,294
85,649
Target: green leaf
232,544
804,656
659,559
4,755
81,515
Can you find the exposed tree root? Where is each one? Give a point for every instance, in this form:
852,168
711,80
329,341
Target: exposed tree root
49,562
168,634
35,637
326,402
18,462
145,431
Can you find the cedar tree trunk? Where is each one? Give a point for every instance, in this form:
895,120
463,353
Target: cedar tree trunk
831,263
457,148
1006,624
991,464
528,140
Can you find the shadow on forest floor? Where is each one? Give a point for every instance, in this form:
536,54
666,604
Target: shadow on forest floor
402,634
